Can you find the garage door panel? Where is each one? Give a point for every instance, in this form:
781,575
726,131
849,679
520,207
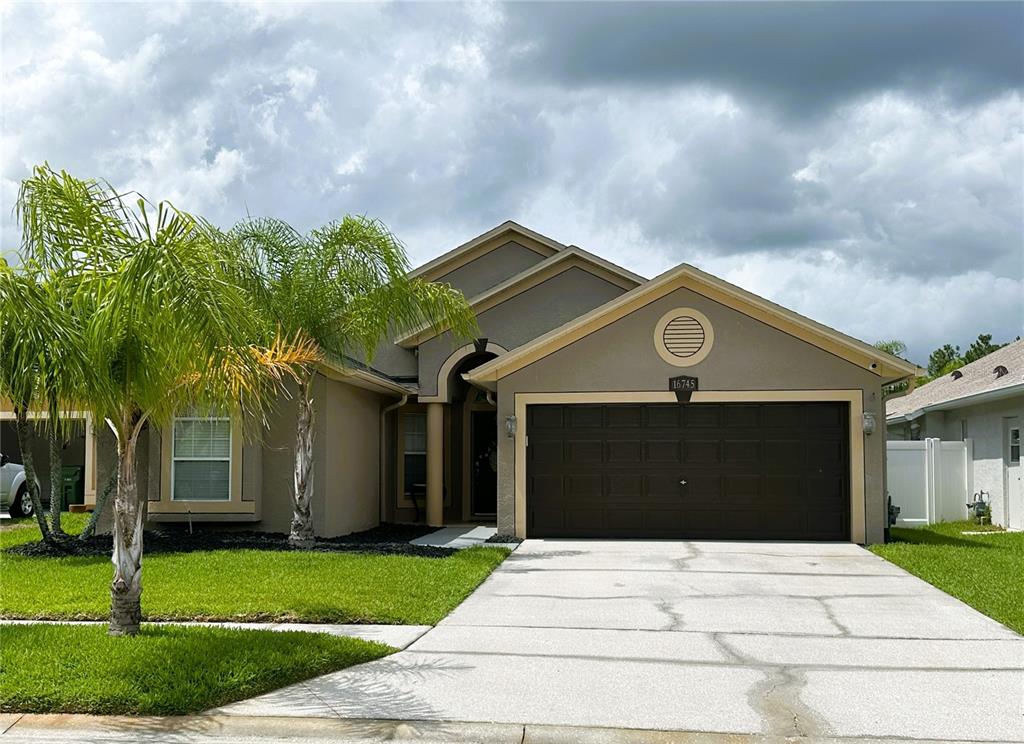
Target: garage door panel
662,417
783,416
626,486
583,487
769,471
658,521
702,451
584,417
663,451
701,417
741,416
830,454
663,484
585,451
624,451
742,451
783,454
545,417
550,454
624,417
741,489
546,488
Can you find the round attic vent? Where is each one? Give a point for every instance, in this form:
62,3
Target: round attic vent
1000,370
683,337
956,374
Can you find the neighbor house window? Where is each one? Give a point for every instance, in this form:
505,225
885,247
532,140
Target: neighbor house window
1014,446
414,441
201,459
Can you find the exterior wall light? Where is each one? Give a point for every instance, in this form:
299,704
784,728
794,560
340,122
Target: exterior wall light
510,426
869,423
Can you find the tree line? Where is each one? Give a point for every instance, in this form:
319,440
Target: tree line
944,359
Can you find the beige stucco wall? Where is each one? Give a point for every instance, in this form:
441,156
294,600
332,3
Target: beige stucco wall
492,268
347,465
345,461
747,355
523,318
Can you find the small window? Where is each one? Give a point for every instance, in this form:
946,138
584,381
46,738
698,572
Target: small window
414,448
1014,446
201,459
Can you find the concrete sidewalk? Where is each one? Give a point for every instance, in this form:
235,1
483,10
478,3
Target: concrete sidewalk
773,639
212,729
396,636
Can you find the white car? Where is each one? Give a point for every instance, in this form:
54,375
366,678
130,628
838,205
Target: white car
14,498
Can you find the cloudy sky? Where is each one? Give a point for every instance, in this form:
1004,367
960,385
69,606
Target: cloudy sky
863,165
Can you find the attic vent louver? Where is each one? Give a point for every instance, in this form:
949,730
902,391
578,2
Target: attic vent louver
956,374
1000,371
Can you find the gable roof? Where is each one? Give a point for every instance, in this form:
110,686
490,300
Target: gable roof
886,366
975,383
571,256
481,244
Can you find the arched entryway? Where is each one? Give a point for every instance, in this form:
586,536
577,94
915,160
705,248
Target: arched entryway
472,445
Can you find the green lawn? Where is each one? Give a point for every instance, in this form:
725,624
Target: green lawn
164,671
985,571
247,585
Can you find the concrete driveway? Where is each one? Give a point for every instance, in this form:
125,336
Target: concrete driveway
771,638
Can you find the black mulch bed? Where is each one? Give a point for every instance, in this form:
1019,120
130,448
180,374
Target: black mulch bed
387,539
501,538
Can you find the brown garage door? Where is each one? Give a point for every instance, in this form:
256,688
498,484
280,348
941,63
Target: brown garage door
696,470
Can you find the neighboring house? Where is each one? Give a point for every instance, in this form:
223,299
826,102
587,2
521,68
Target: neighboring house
560,420
982,401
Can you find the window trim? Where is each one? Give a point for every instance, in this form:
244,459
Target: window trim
402,499
230,458
162,442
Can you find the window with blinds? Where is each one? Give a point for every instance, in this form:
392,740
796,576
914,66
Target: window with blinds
201,459
414,441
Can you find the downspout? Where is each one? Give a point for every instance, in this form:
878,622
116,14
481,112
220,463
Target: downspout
383,446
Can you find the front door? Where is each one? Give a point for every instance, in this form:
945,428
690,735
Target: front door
1011,459
483,464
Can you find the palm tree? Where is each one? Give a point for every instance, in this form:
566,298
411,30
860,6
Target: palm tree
167,331
346,286
40,363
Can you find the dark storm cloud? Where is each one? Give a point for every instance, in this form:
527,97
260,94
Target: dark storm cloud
804,56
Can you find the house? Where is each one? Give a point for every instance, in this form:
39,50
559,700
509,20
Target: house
982,402
596,403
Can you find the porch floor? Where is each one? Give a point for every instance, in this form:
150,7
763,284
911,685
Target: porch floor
457,536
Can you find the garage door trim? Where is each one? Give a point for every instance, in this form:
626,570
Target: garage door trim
853,397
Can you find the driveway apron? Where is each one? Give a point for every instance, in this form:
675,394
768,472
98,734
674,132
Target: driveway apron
794,639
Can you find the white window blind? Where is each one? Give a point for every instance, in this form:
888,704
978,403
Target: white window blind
201,459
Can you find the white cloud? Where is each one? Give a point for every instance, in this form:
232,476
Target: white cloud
898,213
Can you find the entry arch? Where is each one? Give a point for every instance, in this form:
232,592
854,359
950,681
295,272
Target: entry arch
444,373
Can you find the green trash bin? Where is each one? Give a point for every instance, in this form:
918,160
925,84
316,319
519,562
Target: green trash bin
72,486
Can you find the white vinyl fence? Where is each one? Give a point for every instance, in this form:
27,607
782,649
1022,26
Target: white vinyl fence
931,481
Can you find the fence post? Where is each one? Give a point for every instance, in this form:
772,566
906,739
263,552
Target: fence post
932,453
968,468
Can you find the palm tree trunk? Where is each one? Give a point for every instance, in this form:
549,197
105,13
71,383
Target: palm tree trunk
126,588
97,512
56,480
26,440
302,512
